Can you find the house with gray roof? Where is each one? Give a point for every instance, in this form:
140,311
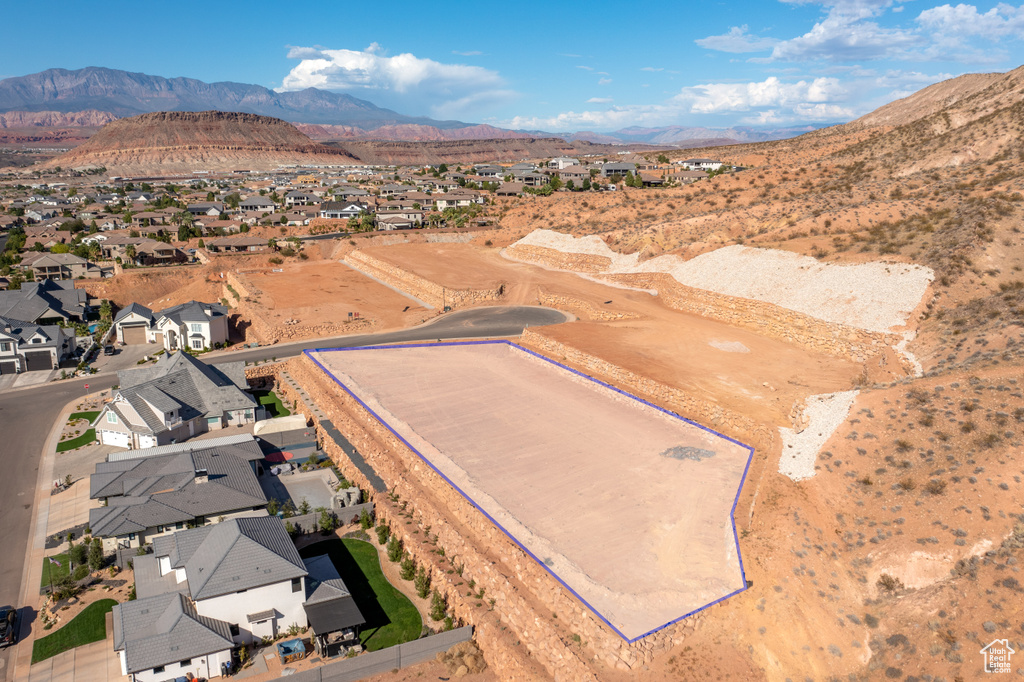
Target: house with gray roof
46,302
193,325
147,497
132,324
330,608
27,347
62,266
165,638
617,168
173,400
244,571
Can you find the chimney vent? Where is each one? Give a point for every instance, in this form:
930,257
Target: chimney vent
201,476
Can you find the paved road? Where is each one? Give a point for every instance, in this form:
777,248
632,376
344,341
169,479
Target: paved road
27,416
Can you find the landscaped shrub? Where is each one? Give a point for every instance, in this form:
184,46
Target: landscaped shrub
437,606
395,549
422,582
383,533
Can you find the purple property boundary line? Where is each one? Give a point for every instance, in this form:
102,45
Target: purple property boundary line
732,512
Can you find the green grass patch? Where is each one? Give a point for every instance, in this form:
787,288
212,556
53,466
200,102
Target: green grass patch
85,628
54,572
273,404
390,617
89,416
86,438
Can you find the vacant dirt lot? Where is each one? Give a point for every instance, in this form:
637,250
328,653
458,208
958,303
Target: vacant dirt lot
325,292
580,475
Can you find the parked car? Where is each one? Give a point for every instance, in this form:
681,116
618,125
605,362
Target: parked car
8,626
108,350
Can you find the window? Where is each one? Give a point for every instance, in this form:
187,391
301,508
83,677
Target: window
111,418
197,344
37,340
5,347
197,327
131,537
234,629
187,662
158,669
179,525
296,584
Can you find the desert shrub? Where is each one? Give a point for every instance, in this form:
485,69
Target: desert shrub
890,583
80,572
907,484
935,487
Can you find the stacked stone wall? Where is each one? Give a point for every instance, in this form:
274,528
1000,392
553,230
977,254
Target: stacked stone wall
580,308
524,594
559,260
423,289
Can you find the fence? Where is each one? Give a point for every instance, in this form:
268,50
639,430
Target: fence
307,523
385,660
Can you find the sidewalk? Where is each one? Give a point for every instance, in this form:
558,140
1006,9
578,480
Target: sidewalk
84,663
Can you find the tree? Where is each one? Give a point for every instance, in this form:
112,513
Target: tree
130,253
422,582
395,549
327,521
105,310
383,532
437,606
555,184
571,186
201,244
96,554
586,184
60,248
408,568
184,233
273,506
272,243
443,168
662,158
365,522
38,246
304,507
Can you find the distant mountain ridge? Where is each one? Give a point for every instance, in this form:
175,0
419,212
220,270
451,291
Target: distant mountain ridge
123,93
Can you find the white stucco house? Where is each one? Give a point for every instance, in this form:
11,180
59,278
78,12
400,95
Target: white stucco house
193,325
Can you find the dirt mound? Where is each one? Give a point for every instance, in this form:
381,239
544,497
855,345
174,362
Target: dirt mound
462,659
467,151
186,141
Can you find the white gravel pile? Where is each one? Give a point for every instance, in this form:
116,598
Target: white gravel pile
875,296
800,450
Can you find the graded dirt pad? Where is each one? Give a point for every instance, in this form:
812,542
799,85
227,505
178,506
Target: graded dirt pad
629,506
326,292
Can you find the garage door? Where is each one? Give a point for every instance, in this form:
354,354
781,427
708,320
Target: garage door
134,334
38,359
9,367
159,338
121,440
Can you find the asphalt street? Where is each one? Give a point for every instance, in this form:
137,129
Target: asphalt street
27,415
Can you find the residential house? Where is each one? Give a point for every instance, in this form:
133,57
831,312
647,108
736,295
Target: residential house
575,173
460,199
174,399
395,222
330,609
489,170
244,571
37,213
686,176
701,164
152,252
391,190
651,179
27,347
297,198
132,324
152,492
343,210
523,167
207,208
46,302
510,189
47,235
413,217
256,203
562,162
192,325
531,179
165,638
237,245
617,168
61,266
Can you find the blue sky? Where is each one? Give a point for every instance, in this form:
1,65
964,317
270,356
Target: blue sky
556,67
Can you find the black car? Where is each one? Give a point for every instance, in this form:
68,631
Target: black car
108,350
8,626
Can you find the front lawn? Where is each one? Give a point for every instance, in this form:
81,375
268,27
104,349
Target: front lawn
273,405
88,416
52,571
390,617
86,438
85,628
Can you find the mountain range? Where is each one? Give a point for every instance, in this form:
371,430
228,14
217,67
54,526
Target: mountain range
61,97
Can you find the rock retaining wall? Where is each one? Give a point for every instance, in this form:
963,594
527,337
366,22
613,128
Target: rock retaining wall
768,319
581,309
524,594
423,289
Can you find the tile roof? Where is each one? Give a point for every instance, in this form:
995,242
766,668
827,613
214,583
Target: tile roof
165,629
238,554
34,299
136,308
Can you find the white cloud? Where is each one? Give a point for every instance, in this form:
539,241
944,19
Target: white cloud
652,68
404,81
585,68
712,98
468,53
737,40
965,20
604,81
600,100
845,36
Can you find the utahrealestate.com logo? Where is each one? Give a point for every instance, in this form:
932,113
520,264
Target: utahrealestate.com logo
997,656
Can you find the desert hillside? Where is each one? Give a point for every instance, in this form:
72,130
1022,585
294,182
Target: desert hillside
171,142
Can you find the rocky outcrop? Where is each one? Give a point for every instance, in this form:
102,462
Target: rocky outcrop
56,119
175,141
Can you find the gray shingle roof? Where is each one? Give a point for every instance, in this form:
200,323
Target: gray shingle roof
192,311
165,629
329,605
238,554
154,491
34,299
136,308
23,331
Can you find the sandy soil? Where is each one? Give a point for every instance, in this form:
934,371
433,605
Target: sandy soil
318,292
515,433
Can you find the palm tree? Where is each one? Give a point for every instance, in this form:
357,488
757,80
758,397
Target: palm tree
129,251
